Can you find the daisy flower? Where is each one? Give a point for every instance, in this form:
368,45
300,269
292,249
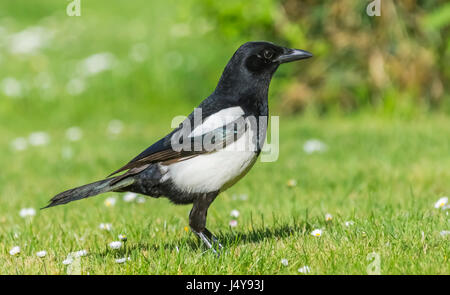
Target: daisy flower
123,260
328,217
233,223
284,262
97,63
14,251
74,133
123,237
41,253
19,144
316,232
129,197
441,203
111,201
292,183
105,226
75,86
314,145
234,213
349,223
27,212
115,127
11,87
80,253
445,233
38,138
140,200
304,269
115,245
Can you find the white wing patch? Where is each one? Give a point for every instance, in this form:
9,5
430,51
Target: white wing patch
215,171
219,119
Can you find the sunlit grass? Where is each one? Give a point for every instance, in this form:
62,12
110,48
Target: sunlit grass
379,177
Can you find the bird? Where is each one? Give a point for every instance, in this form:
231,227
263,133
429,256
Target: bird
212,149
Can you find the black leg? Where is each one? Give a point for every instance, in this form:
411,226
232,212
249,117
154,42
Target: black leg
197,220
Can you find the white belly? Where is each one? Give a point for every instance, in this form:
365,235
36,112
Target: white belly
216,171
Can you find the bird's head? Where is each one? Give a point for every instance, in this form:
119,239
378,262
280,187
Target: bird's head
256,62
261,58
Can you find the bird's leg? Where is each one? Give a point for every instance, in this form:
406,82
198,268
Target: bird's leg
197,220
212,238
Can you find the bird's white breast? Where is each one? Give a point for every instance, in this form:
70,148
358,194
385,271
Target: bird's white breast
218,170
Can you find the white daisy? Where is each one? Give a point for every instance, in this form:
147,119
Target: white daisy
292,183
75,86
38,138
27,212
41,253
233,223
97,63
80,253
445,233
11,87
234,213
139,52
328,217
67,152
243,197
441,203
68,260
19,144
109,202
123,237
115,245
304,269
123,260
316,232
115,127
284,262
140,200
29,40
314,145
14,251
105,226
349,223
74,133
129,197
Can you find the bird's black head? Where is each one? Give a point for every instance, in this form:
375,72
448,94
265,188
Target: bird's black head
253,65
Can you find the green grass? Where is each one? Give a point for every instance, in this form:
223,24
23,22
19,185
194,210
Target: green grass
382,173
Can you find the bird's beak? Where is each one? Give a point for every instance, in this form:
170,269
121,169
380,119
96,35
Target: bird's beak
293,55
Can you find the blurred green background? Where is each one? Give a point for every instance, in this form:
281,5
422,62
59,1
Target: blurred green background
397,63
80,96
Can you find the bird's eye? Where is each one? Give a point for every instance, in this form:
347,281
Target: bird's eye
268,54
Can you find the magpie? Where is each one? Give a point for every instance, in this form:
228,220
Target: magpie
213,148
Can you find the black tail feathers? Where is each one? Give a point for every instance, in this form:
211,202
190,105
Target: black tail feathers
89,190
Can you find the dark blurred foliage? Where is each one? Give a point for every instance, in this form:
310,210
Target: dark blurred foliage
395,62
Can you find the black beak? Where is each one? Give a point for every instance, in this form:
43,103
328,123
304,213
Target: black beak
293,55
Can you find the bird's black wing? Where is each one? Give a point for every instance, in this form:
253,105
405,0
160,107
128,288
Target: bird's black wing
163,151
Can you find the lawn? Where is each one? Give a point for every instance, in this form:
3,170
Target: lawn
383,176
378,175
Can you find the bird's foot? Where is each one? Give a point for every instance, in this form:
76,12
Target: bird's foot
209,240
213,238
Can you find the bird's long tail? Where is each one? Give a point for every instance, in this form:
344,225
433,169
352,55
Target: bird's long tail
89,190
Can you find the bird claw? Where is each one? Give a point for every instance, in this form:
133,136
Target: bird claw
209,240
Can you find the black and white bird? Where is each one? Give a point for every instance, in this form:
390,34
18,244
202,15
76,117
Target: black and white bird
214,147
